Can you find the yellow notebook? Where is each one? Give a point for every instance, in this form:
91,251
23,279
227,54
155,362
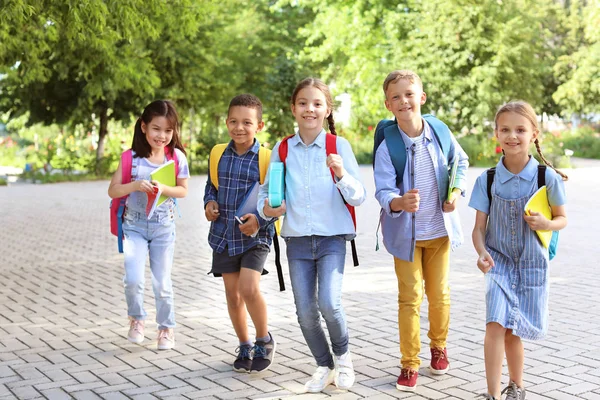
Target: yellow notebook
165,174
539,203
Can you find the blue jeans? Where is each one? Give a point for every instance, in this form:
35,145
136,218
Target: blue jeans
156,236
316,271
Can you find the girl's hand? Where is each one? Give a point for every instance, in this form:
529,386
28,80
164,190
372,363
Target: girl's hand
159,185
211,211
485,262
335,162
250,226
274,212
450,205
537,221
144,186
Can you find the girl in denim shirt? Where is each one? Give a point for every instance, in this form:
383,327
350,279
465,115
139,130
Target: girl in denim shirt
316,227
156,134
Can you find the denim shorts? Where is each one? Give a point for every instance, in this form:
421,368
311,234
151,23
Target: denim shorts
253,258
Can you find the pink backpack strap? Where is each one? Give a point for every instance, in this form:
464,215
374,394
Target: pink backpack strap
126,161
172,156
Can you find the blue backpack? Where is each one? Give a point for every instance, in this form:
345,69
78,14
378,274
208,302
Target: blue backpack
541,179
388,129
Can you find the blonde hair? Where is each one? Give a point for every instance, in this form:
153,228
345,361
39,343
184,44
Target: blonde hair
395,76
525,110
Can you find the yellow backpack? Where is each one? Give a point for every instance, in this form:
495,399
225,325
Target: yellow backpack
264,158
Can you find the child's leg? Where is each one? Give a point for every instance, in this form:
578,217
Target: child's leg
494,355
303,275
162,246
330,271
249,289
436,267
135,249
410,297
514,357
236,305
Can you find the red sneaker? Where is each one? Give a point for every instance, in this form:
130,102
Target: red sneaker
407,381
439,361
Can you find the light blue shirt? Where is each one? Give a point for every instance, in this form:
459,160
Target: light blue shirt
313,202
510,186
399,228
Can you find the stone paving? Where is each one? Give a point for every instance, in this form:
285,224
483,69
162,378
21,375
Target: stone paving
63,315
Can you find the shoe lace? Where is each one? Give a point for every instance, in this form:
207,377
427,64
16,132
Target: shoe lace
260,350
512,391
320,373
486,396
137,325
438,354
408,372
164,334
243,352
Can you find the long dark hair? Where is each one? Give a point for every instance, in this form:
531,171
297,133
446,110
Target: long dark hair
319,84
158,108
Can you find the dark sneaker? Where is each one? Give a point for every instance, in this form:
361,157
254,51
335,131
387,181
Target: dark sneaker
263,355
407,381
513,392
243,362
439,361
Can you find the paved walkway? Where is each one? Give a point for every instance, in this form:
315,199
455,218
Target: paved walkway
63,314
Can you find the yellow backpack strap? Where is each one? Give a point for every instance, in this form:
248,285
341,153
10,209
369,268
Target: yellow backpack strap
264,158
213,162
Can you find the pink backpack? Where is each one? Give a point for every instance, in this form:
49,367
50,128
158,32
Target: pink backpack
117,206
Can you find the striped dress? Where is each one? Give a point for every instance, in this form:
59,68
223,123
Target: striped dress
517,286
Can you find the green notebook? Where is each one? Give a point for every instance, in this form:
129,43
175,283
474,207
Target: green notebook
165,174
452,180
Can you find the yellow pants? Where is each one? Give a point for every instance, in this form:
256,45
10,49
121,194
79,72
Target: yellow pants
431,264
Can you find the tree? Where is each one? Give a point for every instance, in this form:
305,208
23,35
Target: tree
579,69
67,61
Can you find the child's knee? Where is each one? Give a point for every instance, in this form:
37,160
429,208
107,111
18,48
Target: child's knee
249,292
234,299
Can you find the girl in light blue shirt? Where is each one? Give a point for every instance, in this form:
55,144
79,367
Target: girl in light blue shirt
511,256
316,227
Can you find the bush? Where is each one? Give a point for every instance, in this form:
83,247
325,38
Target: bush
3,182
584,143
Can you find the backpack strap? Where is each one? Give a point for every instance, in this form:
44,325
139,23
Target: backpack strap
283,148
331,148
541,178
126,173
397,149
213,160
264,158
442,134
490,180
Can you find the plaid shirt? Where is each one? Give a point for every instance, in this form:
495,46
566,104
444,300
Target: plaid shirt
237,174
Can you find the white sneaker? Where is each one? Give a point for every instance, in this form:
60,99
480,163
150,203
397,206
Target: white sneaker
344,371
322,377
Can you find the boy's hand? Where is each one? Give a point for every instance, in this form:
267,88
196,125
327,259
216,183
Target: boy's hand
250,224
485,262
450,205
144,186
211,211
537,221
409,202
336,163
274,212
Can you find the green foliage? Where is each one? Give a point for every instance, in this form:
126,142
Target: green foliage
585,142
3,182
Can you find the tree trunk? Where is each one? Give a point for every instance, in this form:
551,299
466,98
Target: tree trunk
101,137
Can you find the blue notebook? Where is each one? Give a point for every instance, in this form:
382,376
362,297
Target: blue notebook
276,184
249,203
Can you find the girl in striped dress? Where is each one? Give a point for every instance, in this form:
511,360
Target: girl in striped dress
514,261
